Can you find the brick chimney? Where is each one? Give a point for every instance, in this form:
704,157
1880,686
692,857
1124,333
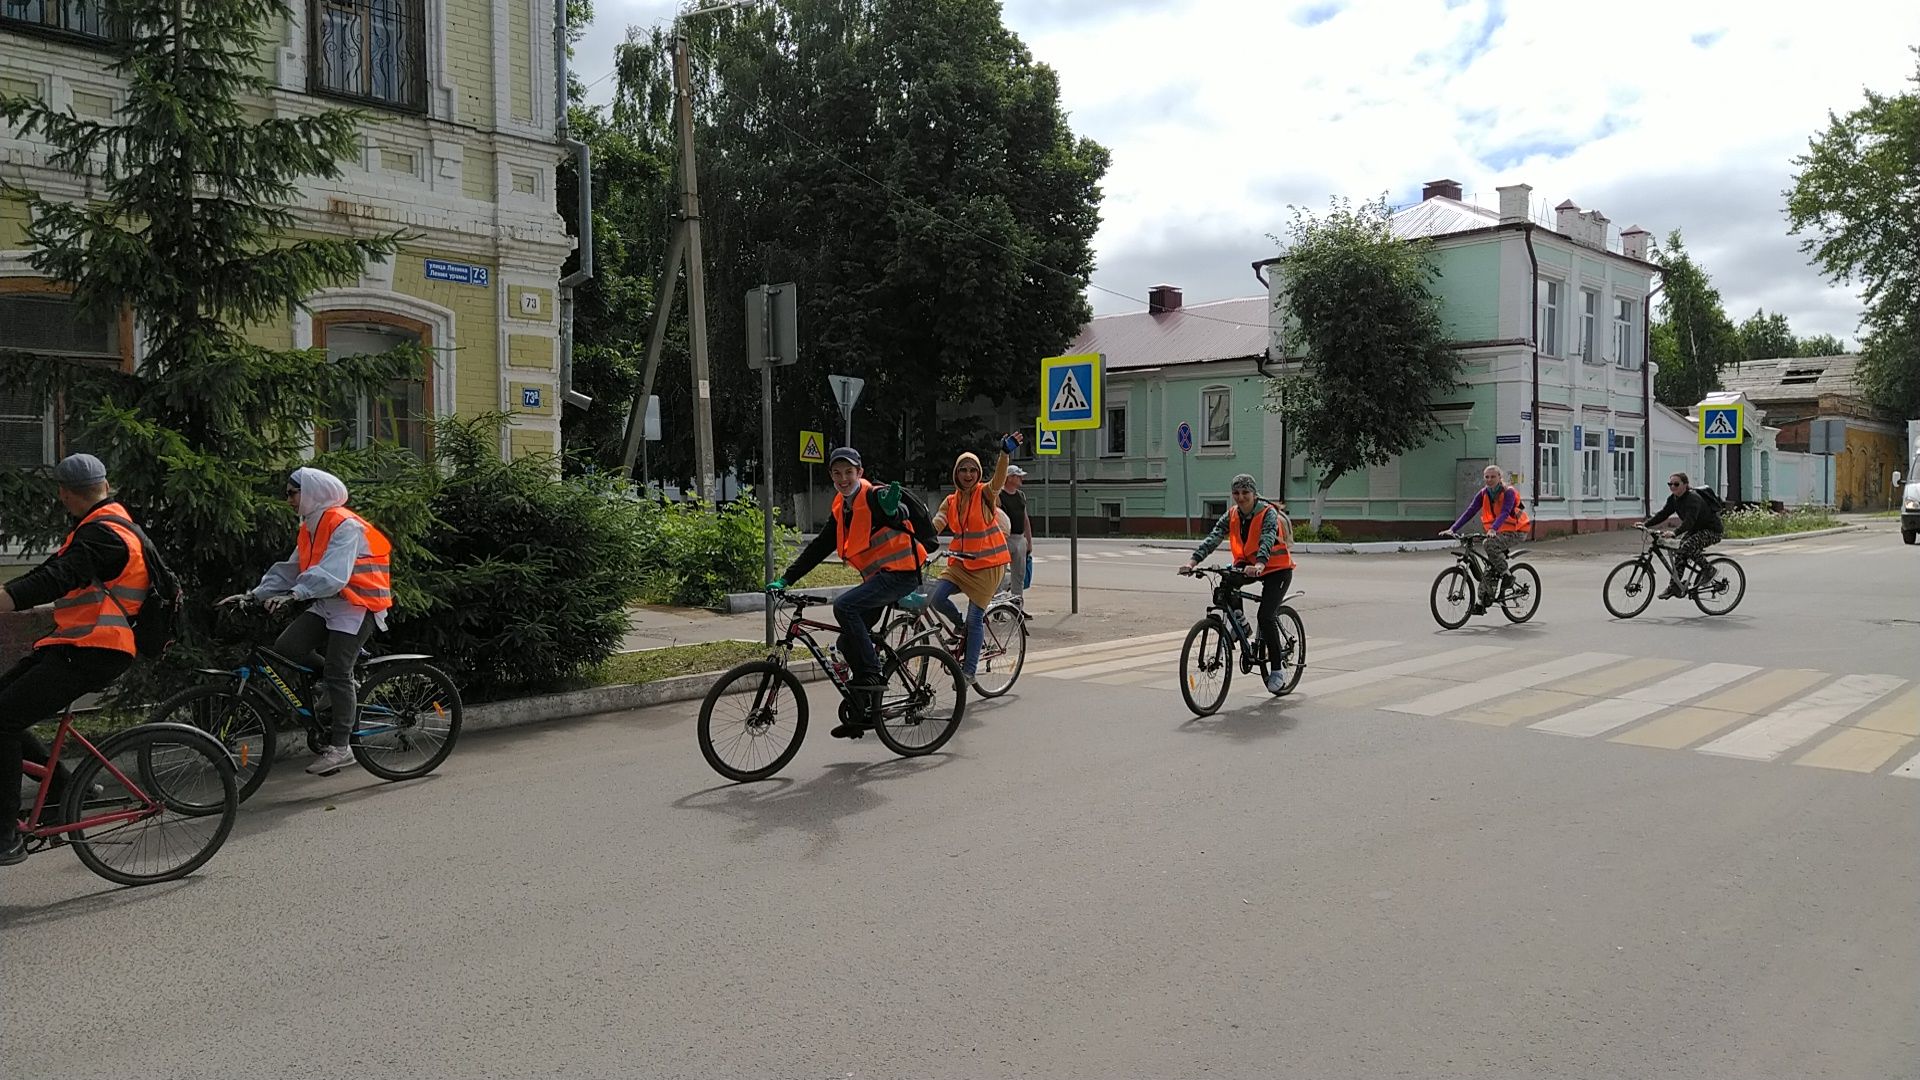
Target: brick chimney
1447,188
1162,299
1636,243
1515,203
1600,223
1566,220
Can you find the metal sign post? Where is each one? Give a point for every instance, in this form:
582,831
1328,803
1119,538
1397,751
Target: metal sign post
1185,437
773,339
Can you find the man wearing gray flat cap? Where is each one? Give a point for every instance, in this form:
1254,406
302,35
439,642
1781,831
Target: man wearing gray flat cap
99,580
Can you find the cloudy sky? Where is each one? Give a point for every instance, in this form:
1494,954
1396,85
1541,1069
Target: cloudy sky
1663,113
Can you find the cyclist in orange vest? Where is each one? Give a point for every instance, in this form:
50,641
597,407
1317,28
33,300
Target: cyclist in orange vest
1503,517
96,583
1260,538
980,553
870,533
341,563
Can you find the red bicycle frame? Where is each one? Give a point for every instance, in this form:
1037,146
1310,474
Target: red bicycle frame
44,774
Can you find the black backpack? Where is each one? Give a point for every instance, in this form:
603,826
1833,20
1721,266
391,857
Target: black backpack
919,521
1711,498
157,624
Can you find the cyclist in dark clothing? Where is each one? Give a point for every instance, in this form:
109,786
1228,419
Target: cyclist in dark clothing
92,565
1699,529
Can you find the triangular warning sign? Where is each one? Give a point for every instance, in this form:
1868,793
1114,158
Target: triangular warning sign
1070,398
1049,439
812,449
1720,425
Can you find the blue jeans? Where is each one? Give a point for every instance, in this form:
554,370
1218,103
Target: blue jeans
859,608
942,600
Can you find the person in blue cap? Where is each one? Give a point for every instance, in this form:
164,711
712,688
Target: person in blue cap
869,531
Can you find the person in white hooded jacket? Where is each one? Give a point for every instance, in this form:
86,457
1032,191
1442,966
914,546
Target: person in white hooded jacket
341,563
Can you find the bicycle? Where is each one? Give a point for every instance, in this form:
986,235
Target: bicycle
409,716
1458,586
1003,648
742,716
177,813
1207,657
1635,588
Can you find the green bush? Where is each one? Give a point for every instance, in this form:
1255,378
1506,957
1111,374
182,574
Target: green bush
693,556
1748,523
1327,533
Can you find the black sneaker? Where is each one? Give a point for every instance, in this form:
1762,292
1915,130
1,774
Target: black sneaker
1672,592
13,849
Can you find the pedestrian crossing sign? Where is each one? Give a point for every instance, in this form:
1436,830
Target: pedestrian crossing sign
813,447
1047,443
1722,425
1070,392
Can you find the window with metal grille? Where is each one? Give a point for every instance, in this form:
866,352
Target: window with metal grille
370,50
83,18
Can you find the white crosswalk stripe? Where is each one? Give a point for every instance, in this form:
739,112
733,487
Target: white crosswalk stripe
1743,711
1441,702
1605,715
1788,727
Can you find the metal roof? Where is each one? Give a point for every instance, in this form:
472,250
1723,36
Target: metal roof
1196,333
1793,378
1440,216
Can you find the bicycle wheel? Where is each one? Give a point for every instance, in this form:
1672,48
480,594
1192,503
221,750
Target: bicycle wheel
1452,599
409,720
1629,589
753,720
1206,666
1003,651
1292,658
237,721
169,797
1522,598
925,696
901,627
1729,585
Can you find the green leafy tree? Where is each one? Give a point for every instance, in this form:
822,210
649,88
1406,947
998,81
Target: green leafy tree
909,165
1856,198
1821,345
1765,337
1694,339
1361,316
190,228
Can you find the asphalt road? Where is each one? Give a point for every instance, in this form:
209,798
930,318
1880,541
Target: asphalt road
1397,872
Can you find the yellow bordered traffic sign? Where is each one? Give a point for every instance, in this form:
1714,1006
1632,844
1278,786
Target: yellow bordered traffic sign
813,447
1070,392
1722,425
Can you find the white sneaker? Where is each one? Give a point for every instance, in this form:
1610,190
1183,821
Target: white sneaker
331,760
1276,682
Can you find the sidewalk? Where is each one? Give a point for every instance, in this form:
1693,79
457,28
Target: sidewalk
655,627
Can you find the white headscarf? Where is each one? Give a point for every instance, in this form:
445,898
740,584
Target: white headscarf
319,491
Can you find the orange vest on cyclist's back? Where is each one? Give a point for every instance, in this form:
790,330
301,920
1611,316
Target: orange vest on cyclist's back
99,615
371,586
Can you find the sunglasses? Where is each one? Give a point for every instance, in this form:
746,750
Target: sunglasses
1673,483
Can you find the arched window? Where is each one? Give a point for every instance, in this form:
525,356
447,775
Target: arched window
402,413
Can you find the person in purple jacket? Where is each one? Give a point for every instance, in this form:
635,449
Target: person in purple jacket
1503,517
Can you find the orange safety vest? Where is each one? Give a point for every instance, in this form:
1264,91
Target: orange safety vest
869,548
97,616
1245,543
978,542
1516,521
371,586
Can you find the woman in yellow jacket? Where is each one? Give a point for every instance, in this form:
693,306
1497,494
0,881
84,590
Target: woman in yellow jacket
979,555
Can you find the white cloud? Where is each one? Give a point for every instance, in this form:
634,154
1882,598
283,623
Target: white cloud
1219,113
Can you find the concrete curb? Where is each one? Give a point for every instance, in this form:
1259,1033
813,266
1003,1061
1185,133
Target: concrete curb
1380,547
742,602
519,712
1789,537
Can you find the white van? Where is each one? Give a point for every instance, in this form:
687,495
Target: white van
1908,485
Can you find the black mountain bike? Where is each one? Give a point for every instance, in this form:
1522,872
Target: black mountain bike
409,713
1629,587
755,716
1208,657
1456,592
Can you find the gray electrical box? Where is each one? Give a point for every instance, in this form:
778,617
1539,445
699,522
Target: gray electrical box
773,325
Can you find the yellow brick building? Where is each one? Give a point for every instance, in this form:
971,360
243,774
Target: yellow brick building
460,150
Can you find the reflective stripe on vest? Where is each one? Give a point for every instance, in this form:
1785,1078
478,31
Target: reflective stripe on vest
978,543
94,616
1516,521
867,548
370,586
1244,542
